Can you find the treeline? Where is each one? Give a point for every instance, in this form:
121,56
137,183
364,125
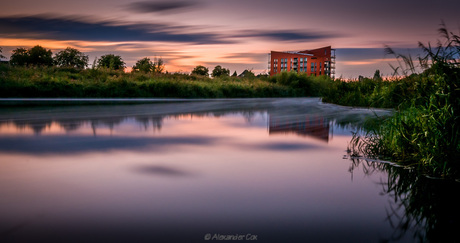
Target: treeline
35,72
38,56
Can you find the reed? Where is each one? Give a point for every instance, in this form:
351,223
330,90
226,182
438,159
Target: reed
425,129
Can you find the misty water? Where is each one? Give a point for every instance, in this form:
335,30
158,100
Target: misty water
271,170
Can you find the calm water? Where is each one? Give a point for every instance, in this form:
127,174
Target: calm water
271,170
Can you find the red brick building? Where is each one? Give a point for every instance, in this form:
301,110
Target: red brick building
313,62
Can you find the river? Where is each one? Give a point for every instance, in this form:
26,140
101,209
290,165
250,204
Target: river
261,170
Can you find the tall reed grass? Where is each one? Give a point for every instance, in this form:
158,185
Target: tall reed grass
424,132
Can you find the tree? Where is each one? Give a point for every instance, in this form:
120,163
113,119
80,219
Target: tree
201,70
159,65
220,71
147,66
20,57
247,74
144,65
111,61
71,57
377,76
234,74
40,56
37,56
1,56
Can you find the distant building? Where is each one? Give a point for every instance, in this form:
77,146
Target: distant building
313,62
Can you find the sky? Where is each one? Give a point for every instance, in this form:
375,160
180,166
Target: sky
235,34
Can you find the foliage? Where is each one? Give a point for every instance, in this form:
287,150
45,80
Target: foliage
200,70
304,84
147,66
111,61
71,58
144,65
159,65
1,51
36,56
377,76
424,132
219,71
247,74
100,83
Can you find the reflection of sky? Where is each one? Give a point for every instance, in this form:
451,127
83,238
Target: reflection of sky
195,175
236,34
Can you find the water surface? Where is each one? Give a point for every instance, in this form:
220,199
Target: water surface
184,171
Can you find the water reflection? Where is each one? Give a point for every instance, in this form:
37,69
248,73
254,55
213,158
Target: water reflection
425,209
310,125
161,170
304,117
174,171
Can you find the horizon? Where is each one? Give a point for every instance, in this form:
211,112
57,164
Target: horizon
236,35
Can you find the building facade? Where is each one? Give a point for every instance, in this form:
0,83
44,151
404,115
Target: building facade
315,62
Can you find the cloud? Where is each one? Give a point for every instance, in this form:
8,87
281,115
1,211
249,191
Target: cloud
165,6
62,28
281,35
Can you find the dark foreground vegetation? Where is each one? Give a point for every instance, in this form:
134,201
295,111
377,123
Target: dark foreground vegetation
424,132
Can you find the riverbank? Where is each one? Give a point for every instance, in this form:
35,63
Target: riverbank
53,82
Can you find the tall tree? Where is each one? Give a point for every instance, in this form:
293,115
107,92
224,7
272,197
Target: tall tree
37,56
111,61
40,56
220,71
144,65
148,66
20,57
201,70
71,57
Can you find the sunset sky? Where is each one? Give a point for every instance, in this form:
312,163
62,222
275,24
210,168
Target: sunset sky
236,34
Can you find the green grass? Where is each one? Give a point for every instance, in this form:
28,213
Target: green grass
425,129
103,83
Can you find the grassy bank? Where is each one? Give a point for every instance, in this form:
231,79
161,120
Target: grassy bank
424,133
104,83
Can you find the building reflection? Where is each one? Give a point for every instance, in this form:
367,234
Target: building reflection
305,125
311,125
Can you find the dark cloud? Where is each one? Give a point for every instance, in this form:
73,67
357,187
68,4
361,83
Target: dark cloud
166,6
42,27
279,35
352,54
